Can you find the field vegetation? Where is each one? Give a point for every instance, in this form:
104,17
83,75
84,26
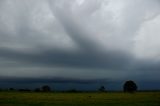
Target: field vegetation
79,99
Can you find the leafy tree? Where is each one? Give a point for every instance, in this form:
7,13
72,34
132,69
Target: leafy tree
130,86
46,88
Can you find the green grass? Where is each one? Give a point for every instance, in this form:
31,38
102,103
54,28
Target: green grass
79,99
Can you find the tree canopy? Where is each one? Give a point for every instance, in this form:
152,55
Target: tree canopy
130,86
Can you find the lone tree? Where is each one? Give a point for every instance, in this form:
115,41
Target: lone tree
46,88
102,89
11,89
130,86
37,90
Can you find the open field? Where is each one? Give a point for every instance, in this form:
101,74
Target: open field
79,99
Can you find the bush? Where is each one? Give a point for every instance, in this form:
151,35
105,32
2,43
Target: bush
102,89
46,88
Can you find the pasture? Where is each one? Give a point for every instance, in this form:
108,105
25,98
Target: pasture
79,99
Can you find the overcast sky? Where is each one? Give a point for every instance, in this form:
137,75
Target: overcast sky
80,39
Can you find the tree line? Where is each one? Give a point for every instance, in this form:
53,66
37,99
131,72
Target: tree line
128,86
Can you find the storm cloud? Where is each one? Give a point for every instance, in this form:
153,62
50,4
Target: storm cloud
82,40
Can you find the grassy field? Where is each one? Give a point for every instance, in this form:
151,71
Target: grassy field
79,99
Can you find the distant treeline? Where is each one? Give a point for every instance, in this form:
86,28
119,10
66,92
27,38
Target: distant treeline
128,86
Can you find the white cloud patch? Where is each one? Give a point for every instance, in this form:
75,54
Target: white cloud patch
147,43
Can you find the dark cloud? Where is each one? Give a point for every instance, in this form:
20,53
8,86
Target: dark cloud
111,60
50,80
79,41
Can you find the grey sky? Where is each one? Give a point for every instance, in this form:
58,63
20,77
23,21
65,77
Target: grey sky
80,39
